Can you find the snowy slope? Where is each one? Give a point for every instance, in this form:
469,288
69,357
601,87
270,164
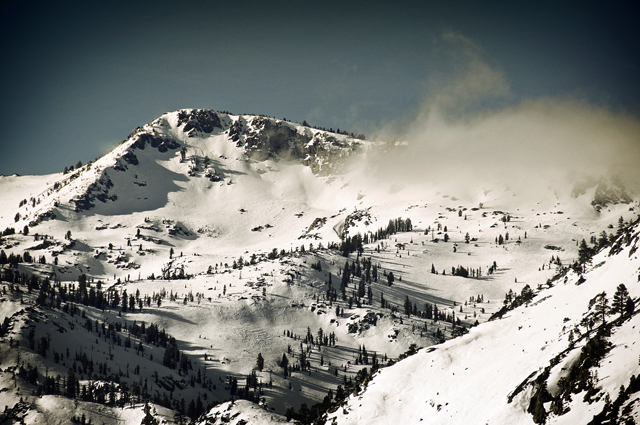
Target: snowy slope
168,212
475,378
240,412
218,190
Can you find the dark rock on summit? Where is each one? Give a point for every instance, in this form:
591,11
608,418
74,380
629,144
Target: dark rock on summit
198,120
612,193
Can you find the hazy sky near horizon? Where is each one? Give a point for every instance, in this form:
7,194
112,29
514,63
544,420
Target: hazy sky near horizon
78,77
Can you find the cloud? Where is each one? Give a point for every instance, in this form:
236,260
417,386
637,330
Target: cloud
471,130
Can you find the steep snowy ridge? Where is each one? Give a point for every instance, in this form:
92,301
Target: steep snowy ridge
492,374
213,143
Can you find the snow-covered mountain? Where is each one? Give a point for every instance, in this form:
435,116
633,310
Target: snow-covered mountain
154,277
569,354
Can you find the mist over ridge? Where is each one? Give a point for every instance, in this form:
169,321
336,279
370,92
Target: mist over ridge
469,130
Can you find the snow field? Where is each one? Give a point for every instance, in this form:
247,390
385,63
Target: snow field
259,206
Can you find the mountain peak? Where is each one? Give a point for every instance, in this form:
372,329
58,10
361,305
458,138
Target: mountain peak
211,256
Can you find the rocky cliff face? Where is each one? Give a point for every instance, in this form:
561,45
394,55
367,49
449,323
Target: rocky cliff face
258,138
612,192
609,190
198,121
264,138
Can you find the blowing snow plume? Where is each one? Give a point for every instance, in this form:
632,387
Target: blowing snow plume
459,137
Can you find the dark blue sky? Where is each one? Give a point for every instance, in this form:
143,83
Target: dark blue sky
78,77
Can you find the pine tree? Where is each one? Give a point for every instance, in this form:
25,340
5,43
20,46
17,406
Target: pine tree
629,306
407,306
260,362
584,252
361,288
602,306
171,354
619,302
70,390
284,362
345,276
148,417
125,300
536,408
620,226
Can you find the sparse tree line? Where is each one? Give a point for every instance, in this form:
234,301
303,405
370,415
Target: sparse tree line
274,254
331,402
71,167
306,124
595,330
361,268
466,271
14,259
67,297
581,378
585,254
32,200
306,415
316,414
338,131
355,243
513,300
431,312
106,386
253,388
321,339
9,231
367,271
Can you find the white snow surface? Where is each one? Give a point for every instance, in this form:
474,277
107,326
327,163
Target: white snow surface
468,379
240,412
210,215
